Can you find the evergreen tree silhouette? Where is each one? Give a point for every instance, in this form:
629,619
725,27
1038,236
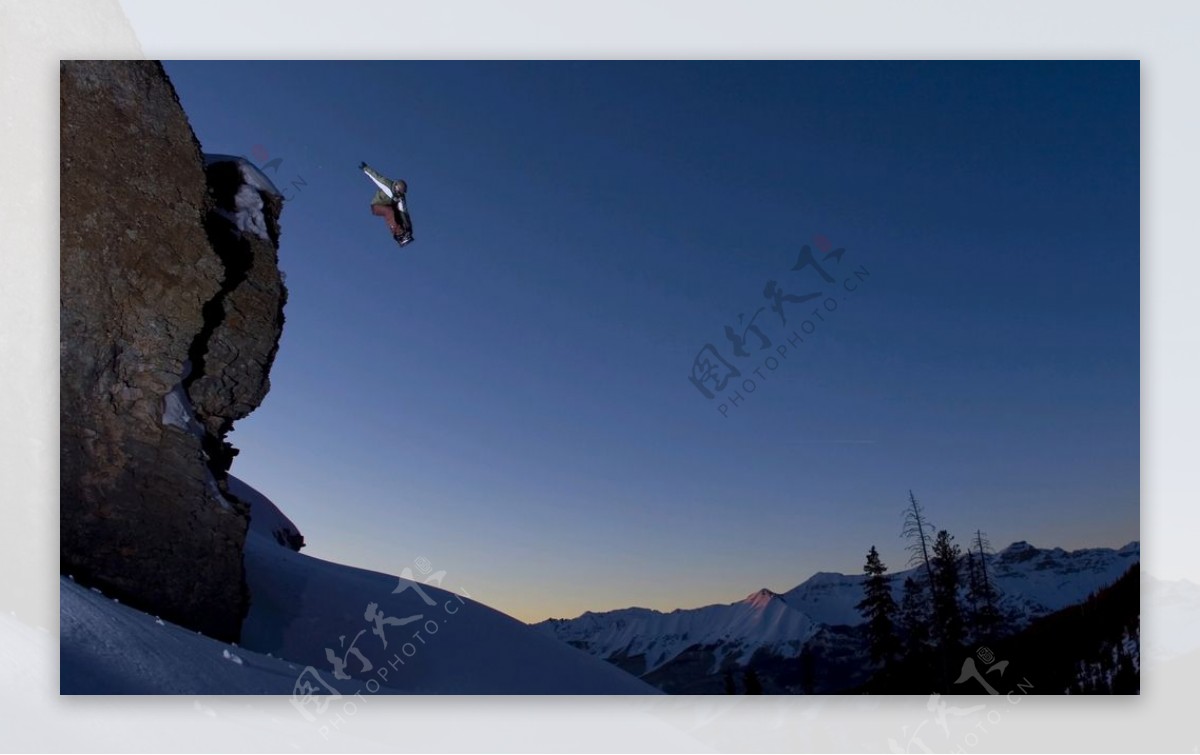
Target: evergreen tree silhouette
918,531
981,592
947,614
879,609
914,619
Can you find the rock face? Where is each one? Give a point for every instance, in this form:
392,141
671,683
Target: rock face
231,358
151,309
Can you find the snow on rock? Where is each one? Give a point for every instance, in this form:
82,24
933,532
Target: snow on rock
249,216
256,178
177,412
250,172
247,213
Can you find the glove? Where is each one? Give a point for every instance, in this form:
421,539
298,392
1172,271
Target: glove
362,166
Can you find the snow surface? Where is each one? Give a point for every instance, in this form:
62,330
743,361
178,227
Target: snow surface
302,606
265,517
107,648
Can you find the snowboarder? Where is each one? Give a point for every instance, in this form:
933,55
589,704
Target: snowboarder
390,203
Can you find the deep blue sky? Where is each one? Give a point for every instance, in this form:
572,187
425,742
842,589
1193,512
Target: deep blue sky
508,397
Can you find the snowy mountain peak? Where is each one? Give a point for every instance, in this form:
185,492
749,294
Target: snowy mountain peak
826,577
1018,547
760,598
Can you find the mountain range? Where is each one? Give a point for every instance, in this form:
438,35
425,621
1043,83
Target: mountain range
815,626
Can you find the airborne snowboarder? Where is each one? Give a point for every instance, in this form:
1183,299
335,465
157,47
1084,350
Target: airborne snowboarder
391,203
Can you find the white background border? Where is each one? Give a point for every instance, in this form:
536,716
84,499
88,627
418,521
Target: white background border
34,36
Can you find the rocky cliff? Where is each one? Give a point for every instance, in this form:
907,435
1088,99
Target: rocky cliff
170,319
230,358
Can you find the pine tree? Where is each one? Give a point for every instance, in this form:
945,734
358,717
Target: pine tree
879,609
948,621
914,619
985,615
972,583
917,530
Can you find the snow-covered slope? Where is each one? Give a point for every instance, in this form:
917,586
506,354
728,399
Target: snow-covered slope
382,633
109,648
830,598
266,520
1032,582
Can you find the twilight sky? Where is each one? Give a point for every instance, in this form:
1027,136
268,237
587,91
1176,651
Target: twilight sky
509,396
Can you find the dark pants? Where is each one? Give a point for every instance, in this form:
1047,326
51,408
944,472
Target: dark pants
388,213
